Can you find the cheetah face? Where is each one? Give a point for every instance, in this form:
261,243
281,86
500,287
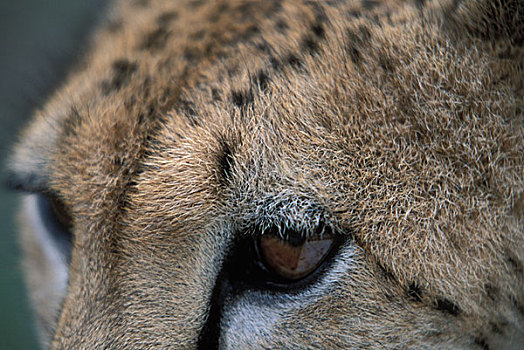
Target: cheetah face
282,174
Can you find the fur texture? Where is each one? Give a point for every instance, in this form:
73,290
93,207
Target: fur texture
189,124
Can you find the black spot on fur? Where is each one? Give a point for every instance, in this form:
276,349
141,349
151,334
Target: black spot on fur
370,4
213,18
122,71
263,47
448,306
498,327
310,41
215,94
241,98
354,44
491,291
222,7
293,60
354,13
515,263
333,3
199,35
225,160
290,59
414,292
318,29
319,10
196,3
354,54
274,63
262,80
281,26
155,40
124,67
420,3
385,63
365,33
71,122
481,342
247,34
166,18
192,53
309,44
277,6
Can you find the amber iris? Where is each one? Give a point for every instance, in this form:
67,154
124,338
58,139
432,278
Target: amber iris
295,257
60,212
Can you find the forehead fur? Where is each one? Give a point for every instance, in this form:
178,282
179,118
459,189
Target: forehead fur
401,126
408,137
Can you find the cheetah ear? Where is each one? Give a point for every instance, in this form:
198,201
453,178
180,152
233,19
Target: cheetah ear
498,21
28,166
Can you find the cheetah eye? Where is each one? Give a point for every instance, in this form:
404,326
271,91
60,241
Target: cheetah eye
294,256
56,219
280,259
47,214
59,212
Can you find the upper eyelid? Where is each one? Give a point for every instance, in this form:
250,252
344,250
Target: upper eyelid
30,182
327,229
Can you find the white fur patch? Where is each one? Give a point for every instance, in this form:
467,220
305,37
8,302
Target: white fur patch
254,315
51,252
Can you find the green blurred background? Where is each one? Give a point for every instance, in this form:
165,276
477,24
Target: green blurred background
39,40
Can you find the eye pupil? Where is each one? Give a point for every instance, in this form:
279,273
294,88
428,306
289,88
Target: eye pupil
283,257
296,256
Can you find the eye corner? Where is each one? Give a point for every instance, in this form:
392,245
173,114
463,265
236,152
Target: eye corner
28,183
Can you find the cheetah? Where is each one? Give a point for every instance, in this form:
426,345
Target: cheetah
286,174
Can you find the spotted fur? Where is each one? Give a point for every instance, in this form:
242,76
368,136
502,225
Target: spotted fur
189,125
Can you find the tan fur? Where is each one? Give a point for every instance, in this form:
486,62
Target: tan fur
399,125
